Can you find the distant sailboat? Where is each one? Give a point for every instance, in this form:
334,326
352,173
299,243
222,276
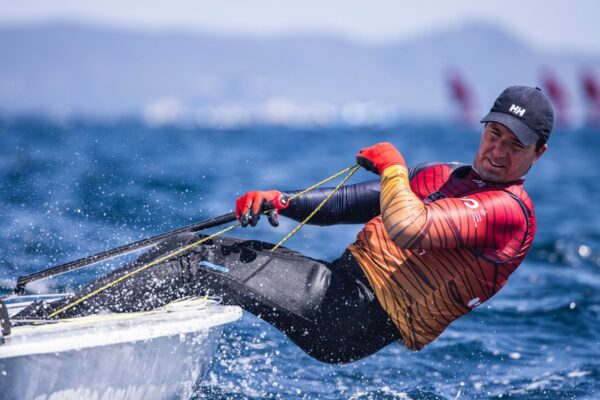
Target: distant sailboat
591,90
558,96
462,98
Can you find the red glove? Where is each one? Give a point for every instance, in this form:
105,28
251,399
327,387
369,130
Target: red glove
249,206
378,157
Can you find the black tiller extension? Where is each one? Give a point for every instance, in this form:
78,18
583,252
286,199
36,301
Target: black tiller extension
119,251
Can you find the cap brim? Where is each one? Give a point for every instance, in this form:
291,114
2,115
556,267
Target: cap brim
525,134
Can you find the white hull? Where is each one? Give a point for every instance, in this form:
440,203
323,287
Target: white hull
155,355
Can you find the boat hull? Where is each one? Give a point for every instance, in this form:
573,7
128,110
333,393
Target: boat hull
149,356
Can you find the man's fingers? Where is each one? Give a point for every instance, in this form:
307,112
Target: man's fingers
245,210
257,205
246,205
254,219
366,164
272,216
255,209
244,219
239,207
249,207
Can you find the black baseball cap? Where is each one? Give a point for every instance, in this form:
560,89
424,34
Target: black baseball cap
526,111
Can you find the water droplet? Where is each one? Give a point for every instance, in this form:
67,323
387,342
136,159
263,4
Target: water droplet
584,251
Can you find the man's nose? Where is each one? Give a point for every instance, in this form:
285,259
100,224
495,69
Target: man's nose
500,150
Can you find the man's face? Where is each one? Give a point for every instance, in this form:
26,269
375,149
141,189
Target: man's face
501,156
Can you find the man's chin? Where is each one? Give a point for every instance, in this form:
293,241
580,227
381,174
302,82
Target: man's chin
489,173
492,176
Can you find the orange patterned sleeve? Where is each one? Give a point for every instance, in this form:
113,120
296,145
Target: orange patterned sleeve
486,221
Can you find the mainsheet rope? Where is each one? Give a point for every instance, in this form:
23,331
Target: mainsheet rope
351,171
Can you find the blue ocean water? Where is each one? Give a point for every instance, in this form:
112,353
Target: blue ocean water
71,189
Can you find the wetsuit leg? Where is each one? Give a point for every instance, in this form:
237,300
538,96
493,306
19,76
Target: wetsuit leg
327,309
146,290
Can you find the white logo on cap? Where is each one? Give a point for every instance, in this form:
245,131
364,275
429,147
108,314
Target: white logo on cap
515,109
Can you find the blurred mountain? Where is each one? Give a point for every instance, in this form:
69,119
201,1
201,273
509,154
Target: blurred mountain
68,69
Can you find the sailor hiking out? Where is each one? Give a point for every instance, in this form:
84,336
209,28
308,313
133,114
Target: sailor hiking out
439,239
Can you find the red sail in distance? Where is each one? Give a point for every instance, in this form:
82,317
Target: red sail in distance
462,97
558,96
591,91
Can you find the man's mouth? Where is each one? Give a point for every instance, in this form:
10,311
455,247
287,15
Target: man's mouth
495,164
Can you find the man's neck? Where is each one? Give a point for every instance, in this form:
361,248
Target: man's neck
473,174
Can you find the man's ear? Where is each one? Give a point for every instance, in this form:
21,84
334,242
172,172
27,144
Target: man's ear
541,151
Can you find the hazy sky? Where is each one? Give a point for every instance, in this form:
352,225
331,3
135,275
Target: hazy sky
547,24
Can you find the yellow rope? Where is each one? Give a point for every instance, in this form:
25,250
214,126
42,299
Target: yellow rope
316,185
189,246
352,169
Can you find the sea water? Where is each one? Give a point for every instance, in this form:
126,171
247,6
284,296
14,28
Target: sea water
72,189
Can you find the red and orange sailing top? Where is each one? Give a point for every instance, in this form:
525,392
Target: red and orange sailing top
445,242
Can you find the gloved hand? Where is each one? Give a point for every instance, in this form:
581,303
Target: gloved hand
249,206
378,157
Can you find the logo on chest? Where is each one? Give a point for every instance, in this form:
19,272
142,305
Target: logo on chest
477,213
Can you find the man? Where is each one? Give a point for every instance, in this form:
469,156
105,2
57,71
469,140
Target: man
439,240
